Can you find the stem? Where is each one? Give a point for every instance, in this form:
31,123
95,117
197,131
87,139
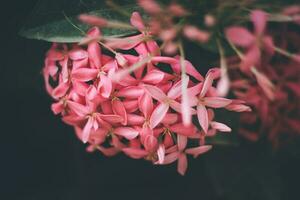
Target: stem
107,47
222,56
182,58
238,52
283,52
186,113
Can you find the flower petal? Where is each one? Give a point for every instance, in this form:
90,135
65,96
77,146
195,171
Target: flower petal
175,106
137,21
106,107
194,33
269,45
57,107
92,20
153,77
105,86
150,6
125,43
78,54
202,117
181,129
196,151
181,142
135,153
145,104
182,164
156,93
185,102
164,59
175,91
119,109
216,102
259,19
111,118
170,118
91,92
238,107
84,74
111,151
161,154
150,143
251,58
153,47
168,140
158,114
207,84
60,90
170,158
131,92
94,52
87,130
133,119
55,55
265,83
130,105
220,126
78,108
127,132
239,36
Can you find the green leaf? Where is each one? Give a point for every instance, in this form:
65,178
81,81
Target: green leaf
56,20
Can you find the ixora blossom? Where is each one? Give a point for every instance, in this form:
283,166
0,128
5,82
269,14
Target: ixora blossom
127,102
272,88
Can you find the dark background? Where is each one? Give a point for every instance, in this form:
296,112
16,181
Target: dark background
42,159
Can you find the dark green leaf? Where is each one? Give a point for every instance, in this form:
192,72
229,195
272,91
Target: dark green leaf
56,20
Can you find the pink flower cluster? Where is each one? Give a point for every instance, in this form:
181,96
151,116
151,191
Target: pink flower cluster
267,78
129,102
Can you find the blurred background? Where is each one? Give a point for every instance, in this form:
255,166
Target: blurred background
44,160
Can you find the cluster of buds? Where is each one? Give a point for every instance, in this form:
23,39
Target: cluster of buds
266,75
136,101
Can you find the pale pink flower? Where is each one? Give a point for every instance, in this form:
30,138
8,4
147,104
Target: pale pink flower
255,42
194,33
165,102
202,100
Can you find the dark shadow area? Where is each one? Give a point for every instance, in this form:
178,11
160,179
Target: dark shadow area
43,160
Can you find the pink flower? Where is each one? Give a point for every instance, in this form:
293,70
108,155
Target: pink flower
166,101
254,43
125,102
179,153
94,119
202,100
193,33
